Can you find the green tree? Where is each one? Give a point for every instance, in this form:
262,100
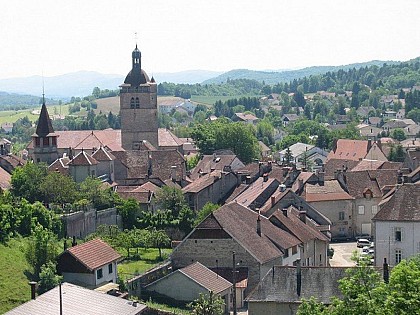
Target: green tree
207,305
42,248
171,198
398,134
205,211
128,211
48,277
186,219
157,239
58,188
25,181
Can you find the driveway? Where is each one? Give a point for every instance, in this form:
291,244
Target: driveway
342,254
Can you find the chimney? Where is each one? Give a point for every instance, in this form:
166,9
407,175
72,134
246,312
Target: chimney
265,177
369,145
65,244
173,173
273,201
302,215
386,271
300,183
74,243
259,225
284,210
298,278
285,171
260,168
321,178
33,289
149,165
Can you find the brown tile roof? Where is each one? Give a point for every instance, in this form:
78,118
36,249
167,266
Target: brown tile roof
206,278
241,223
5,178
246,117
60,165
77,301
94,254
331,190
373,180
347,149
295,226
338,164
209,162
103,155
168,139
202,182
258,192
401,204
237,191
83,159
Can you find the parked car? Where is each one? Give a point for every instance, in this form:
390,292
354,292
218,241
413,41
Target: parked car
364,236
362,242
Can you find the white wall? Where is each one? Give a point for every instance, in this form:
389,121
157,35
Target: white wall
386,245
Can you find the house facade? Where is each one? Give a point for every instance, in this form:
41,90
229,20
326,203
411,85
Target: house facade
89,264
397,224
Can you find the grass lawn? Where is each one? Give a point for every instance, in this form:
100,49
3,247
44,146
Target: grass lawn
14,286
148,259
32,113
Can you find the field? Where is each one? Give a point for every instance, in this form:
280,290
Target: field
32,113
14,286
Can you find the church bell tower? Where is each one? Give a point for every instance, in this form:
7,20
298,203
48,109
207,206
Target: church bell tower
138,107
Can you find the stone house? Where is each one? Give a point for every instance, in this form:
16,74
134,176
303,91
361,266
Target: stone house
397,224
216,161
258,244
336,204
247,118
89,264
289,118
356,150
366,189
82,166
283,288
186,284
213,187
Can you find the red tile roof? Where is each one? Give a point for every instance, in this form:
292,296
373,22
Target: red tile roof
5,178
349,150
94,254
83,159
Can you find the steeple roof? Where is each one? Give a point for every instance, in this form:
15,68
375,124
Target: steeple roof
44,126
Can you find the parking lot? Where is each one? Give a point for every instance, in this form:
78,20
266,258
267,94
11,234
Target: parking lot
342,254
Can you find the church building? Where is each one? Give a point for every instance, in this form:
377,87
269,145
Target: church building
137,153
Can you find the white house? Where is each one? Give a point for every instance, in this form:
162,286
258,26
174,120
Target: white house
89,264
397,224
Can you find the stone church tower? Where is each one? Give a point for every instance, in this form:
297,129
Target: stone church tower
138,107
44,140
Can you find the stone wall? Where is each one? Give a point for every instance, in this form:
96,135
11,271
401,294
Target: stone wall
83,223
136,284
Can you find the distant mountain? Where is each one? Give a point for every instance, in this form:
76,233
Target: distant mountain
81,83
273,77
188,77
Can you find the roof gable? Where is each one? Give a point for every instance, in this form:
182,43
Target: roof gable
94,254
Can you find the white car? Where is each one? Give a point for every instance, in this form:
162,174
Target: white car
362,242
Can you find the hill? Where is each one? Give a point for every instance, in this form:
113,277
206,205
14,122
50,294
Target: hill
272,77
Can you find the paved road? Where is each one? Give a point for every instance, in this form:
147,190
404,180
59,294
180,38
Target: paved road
342,254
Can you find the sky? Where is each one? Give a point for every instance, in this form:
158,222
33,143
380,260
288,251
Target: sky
53,37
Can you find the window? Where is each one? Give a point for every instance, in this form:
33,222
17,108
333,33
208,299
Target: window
99,274
374,209
398,256
132,102
294,250
110,268
46,142
286,253
398,234
361,209
37,142
341,215
137,102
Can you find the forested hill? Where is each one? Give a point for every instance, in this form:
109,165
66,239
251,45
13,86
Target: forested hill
271,77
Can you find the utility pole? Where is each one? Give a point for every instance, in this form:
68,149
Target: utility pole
234,283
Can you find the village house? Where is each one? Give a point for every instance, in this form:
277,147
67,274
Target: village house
213,187
289,118
302,152
258,244
90,264
397,224
186,284
217,161
248,118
